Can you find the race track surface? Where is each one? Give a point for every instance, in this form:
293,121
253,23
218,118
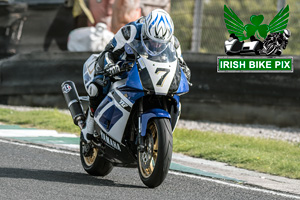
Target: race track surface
33,172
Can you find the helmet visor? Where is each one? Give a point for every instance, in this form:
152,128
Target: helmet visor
154,48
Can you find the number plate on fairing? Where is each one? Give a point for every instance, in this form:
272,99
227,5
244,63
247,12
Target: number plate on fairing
161,74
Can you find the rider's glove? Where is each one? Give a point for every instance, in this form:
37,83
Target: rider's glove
112,69
185,69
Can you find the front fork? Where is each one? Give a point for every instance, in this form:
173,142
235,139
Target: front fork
143,120
141,139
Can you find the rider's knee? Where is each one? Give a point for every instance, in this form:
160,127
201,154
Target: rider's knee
92,90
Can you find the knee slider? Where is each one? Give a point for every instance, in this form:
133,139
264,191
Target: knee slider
92,90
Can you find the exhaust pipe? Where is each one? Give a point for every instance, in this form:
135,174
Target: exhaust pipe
72,99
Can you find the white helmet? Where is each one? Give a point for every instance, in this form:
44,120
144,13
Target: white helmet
158,26
157,32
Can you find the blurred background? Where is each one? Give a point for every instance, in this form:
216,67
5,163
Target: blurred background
45,42
201,27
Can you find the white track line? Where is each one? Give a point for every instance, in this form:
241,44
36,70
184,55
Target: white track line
236,185
33,133
170,172
39,147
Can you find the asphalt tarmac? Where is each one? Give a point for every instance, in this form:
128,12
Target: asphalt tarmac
29,171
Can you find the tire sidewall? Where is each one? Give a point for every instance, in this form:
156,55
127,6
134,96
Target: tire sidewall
100,167
164,157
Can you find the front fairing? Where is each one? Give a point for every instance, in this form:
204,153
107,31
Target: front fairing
157,77
159,74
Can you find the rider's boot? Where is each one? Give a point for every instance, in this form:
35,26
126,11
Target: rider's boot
88,129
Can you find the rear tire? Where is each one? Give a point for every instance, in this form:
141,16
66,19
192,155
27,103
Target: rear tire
93,163
154,162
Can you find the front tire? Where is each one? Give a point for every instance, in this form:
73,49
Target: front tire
92,162
154,162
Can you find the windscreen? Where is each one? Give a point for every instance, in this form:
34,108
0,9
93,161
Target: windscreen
157,52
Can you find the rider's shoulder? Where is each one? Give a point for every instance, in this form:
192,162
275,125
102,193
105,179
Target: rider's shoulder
137,23
129,31
134,28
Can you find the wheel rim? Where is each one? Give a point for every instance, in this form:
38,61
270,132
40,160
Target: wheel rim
147,158
92,155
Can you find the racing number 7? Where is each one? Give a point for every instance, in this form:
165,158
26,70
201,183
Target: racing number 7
166,71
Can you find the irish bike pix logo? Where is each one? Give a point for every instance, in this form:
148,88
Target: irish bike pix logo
256,47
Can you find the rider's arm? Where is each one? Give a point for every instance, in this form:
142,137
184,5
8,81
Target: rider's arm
182,63
115,48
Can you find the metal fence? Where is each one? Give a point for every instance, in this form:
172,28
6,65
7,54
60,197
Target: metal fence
200,26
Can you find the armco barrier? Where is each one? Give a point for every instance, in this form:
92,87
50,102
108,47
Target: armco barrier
263,98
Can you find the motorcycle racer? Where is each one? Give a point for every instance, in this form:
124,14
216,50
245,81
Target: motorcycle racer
155,32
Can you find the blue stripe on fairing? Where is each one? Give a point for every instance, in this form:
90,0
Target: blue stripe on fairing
177,98
133,95
110,117
104,102
152,113
183,86
116,116
106,117
133,79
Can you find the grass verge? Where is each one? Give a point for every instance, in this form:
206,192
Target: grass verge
44,119
263,155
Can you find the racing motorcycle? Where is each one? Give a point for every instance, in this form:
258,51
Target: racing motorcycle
134,123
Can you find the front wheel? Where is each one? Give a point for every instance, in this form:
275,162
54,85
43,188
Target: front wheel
155,160
92,162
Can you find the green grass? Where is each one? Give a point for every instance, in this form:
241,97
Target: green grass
44,119
263,155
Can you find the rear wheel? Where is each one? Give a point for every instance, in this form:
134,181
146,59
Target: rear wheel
154,162
92,162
